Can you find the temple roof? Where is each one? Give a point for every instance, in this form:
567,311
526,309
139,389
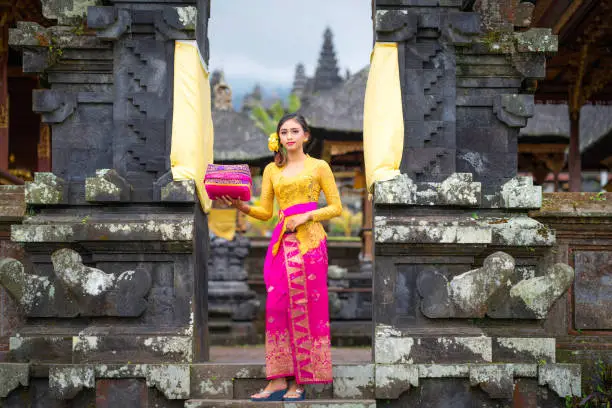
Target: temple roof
237,139
340,108
553,121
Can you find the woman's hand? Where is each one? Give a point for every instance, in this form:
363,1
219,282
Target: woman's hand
235,203
297,220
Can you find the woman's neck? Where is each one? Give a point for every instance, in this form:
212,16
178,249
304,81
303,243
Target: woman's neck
296,156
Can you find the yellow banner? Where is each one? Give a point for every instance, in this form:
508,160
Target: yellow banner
222,222
192,126
383,120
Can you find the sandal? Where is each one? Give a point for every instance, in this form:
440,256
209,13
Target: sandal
270,395
299,392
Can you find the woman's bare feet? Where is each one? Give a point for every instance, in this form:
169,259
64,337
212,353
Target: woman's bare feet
278,384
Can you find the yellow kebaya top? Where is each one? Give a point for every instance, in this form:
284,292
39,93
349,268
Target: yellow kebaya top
303,187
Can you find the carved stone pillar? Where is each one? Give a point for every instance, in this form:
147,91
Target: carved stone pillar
116,269
462,281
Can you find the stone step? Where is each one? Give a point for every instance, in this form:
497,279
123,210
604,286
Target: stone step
195,403
238,381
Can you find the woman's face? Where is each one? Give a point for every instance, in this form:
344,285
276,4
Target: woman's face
292,135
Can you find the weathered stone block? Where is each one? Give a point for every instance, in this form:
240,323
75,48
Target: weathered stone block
244,403
46,189
537,40
466,295
495,379
11,376
390,347
354,382
399,190
107,186
524,350
459,190
514,110
141,349
394,380
564,379
67,13
178,191
461,28
395,25
533,298
41,349
593,290
33,293
121,393
521,193
65,382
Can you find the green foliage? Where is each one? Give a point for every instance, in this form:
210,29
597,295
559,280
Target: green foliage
267,119
598,392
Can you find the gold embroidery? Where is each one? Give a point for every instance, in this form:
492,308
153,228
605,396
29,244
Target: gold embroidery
279,360
302,188
313,358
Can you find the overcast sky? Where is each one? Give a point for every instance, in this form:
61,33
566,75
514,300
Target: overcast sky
263,40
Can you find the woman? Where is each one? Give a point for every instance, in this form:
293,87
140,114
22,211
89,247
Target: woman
295,269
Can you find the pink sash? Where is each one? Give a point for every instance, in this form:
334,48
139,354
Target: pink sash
277,234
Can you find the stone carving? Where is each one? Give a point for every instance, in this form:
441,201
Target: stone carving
497,380
466,295
67,12
55,106
514,110
521,193
533,298
456,190
77,289
167,190
171,379
33,293
46,189
65,382
462,28
11,376
111,23
399,190
564,379
124,295
392,381
107,186
476,294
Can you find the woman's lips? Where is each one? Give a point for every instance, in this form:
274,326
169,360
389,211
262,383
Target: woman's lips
290,143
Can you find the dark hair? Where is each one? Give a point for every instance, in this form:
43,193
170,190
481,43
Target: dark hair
280,157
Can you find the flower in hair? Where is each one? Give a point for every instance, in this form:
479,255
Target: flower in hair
273,143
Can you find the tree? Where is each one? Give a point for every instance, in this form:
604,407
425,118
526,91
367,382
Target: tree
267,119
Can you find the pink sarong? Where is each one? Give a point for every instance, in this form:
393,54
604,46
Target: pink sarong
297,316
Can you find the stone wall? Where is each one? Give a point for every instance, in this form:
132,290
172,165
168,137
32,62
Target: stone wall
114,280
583,323
12,210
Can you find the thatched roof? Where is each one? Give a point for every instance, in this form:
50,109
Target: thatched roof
340,108
553,120
237,139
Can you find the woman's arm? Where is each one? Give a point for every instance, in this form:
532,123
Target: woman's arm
263,212
330,189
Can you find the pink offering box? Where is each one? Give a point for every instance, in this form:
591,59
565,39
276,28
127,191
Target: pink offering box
233,180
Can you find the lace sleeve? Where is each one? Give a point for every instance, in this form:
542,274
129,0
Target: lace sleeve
264,210
330,189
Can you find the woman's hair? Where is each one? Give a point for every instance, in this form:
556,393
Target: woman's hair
280,157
